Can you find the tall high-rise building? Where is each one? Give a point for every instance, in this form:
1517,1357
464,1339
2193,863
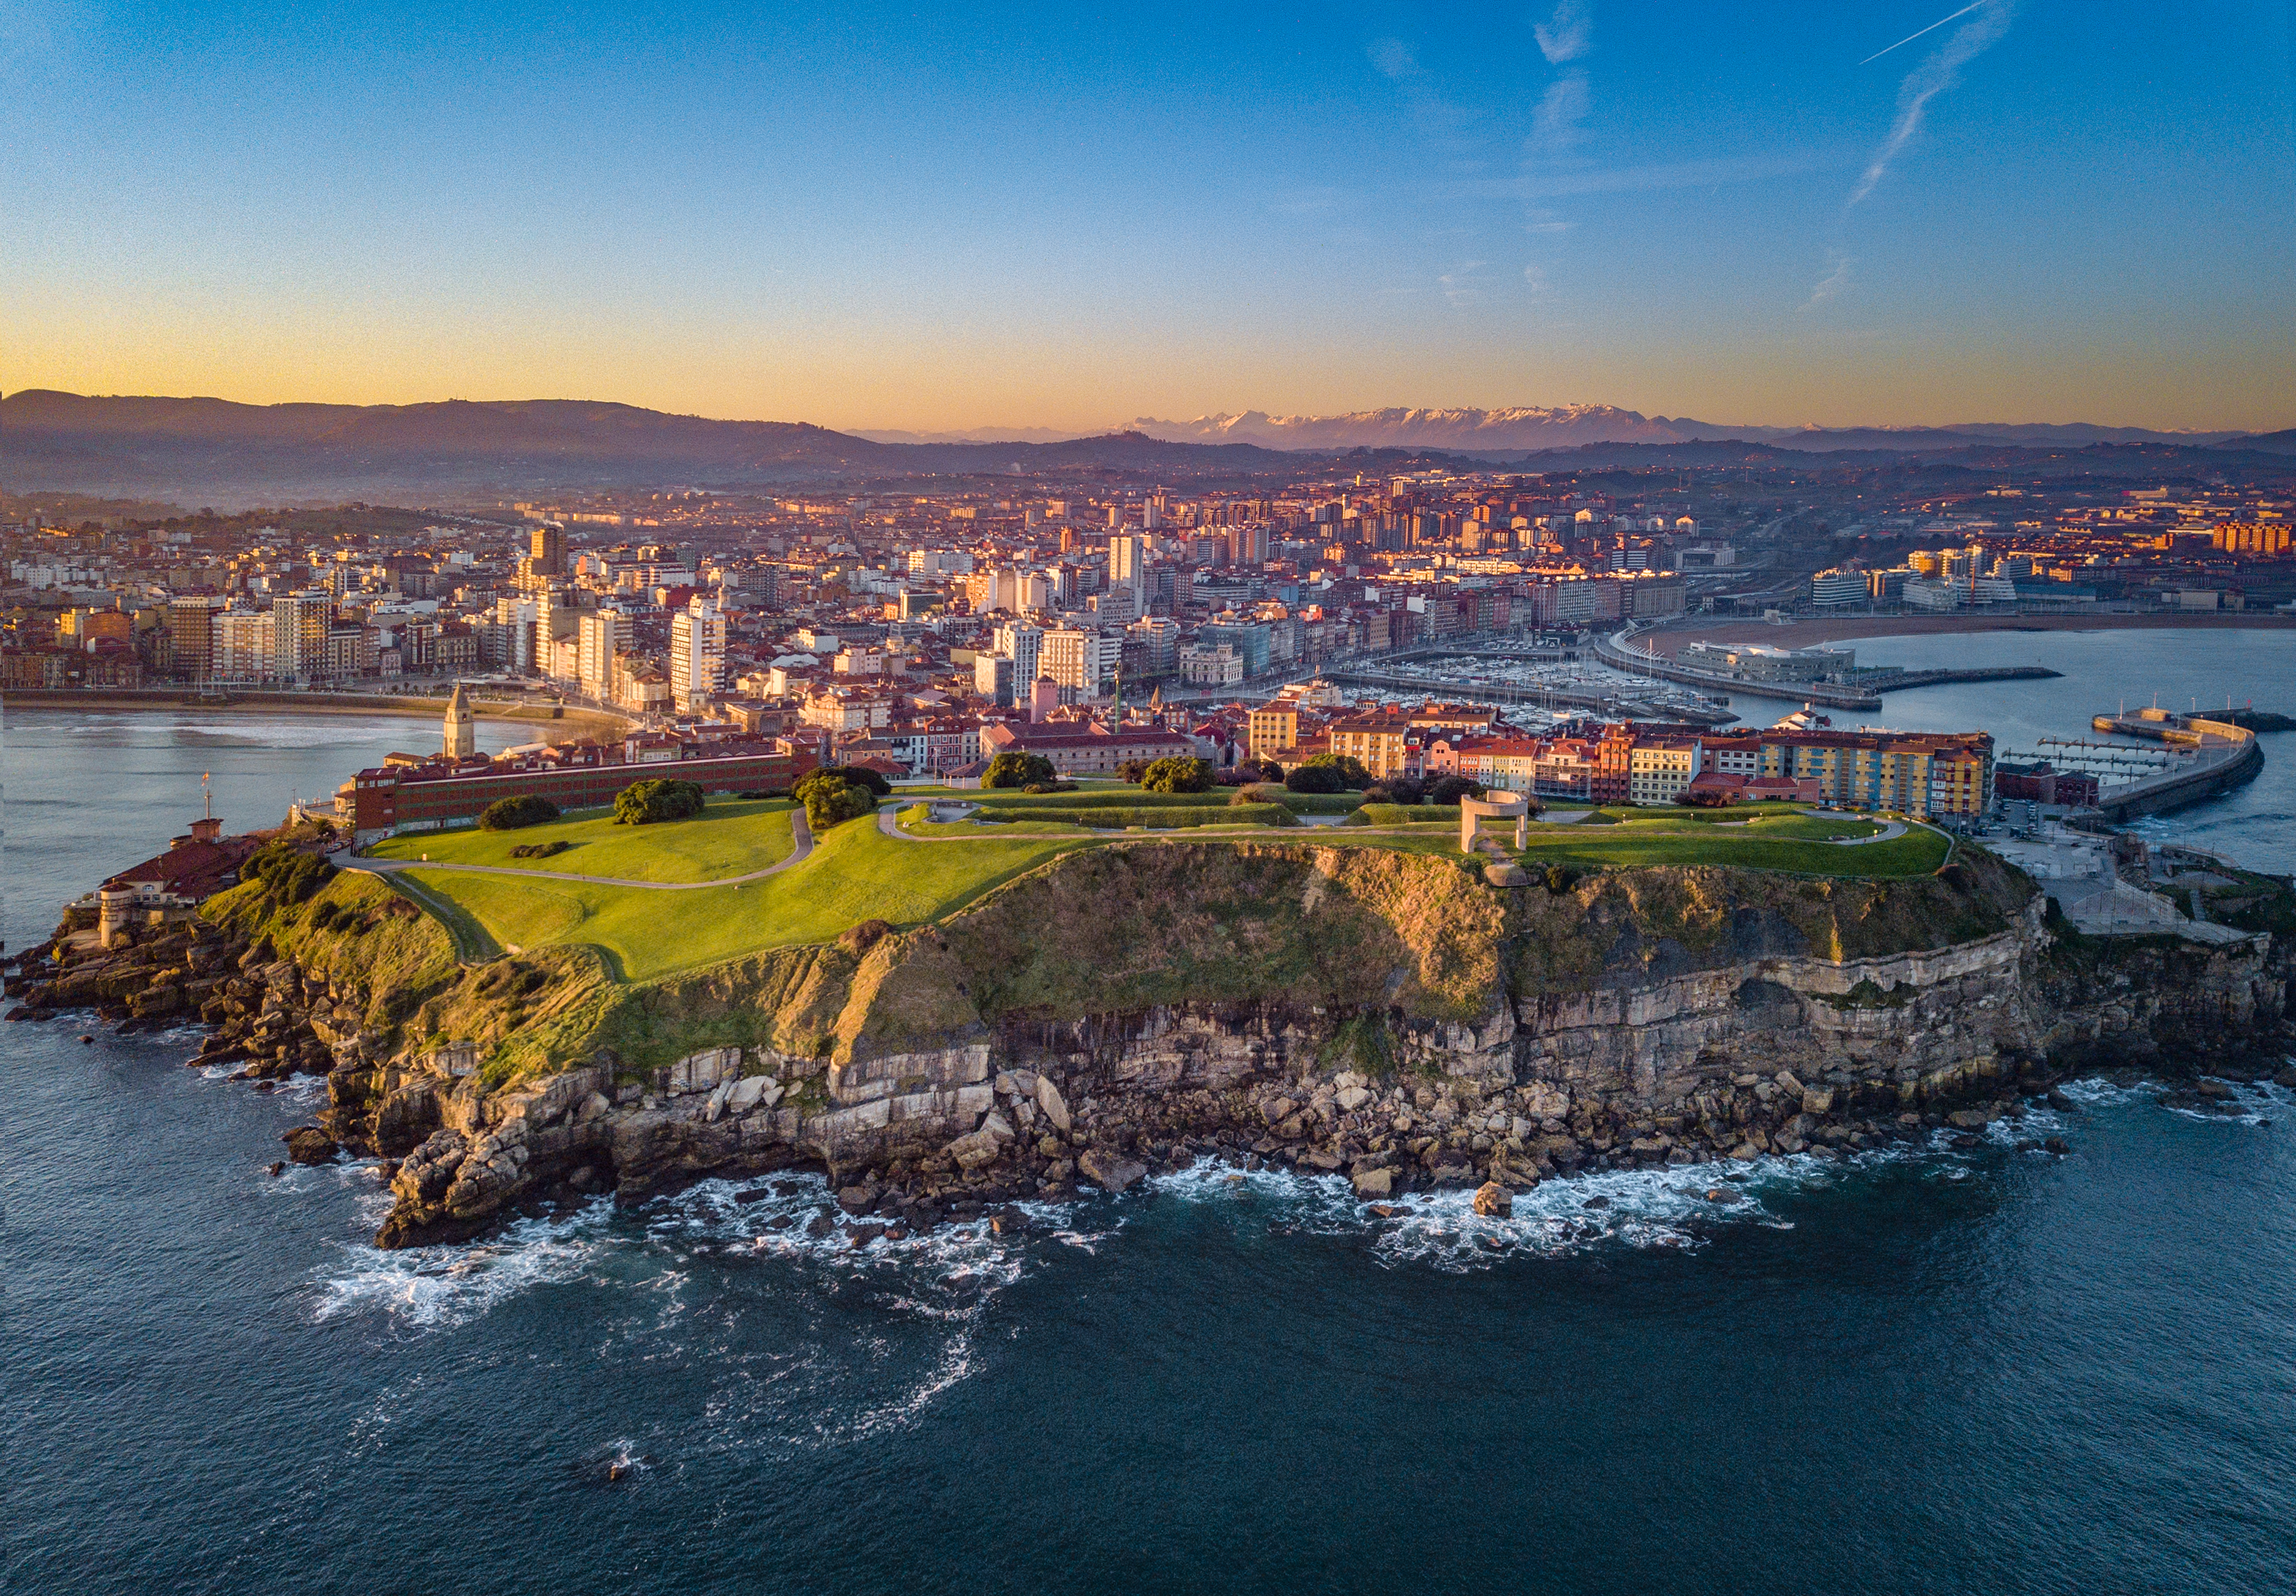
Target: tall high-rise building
1127,564
546,551
192,629
599,640
1247,545
242,644
1079,658
298,635
1021,642
697,654
517,620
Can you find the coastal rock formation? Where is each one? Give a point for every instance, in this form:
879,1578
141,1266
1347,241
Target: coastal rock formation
1388,1018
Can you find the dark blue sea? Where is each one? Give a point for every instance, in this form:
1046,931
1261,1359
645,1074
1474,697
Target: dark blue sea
1937,1370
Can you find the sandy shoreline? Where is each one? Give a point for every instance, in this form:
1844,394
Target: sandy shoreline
1800,634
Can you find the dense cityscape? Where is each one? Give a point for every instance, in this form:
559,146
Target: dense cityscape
923,633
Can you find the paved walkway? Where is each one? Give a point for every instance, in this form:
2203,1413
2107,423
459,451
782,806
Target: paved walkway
1890,832
801,832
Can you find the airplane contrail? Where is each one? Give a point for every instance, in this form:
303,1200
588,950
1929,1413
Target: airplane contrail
1932,28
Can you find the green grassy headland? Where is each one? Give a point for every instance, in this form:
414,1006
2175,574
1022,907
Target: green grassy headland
855,873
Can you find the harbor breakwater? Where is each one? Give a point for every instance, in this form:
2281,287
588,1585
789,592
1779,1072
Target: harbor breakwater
1386,1016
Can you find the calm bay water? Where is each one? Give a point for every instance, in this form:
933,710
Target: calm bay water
1954,1371
2102,672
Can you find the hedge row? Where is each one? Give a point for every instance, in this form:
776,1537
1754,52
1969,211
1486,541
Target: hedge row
1397,815
1155,817
1106,797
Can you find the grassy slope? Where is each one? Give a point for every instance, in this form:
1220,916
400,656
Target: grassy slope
854,874
730,838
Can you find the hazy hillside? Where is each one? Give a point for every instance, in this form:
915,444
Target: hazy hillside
215,452
196,451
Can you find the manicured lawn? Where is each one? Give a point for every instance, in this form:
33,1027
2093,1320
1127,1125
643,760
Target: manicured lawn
857,873
1772,827
854,874
730,838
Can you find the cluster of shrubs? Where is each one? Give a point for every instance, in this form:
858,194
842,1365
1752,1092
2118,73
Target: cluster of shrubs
1154,816
512,814
540,850
1329,773
287,875
332,916
1410,791
837,793
1030,773
656,799
1178,773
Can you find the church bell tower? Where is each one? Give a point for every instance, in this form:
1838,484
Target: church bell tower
462,739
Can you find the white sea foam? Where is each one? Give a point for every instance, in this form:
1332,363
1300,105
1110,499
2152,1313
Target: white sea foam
428,1287
2257,1102
942,1273
1644,1208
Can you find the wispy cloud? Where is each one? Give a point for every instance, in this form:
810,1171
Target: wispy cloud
1834,283
1393,58
1566,36
1462,284
1449,126
1989,19
1687,174
1562,111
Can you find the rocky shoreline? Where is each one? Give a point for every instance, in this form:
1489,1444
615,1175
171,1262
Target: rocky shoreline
1746,1052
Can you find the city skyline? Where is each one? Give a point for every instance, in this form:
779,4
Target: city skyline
872,221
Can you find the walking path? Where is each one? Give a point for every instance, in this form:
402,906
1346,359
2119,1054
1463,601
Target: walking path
799,830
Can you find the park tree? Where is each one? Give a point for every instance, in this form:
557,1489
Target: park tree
1178,773
1450,790
1353,776
511,814
655,800
1012,768
858,775
831,800
1315,778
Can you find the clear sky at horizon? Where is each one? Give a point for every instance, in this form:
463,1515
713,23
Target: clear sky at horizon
869,215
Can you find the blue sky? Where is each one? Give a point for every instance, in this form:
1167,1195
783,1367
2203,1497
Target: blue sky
933,218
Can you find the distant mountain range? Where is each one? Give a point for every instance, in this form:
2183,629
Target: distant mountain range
196,451
1521,428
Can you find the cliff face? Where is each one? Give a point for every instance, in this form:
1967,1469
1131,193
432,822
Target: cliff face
1382,1013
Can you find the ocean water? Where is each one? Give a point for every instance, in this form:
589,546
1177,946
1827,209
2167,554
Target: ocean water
1937,1370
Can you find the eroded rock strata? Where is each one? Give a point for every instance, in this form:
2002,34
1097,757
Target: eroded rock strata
1390,1016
